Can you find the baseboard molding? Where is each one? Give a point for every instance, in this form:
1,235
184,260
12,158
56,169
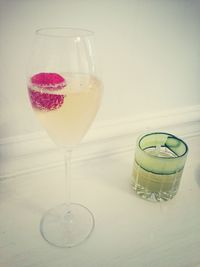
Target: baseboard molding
34,152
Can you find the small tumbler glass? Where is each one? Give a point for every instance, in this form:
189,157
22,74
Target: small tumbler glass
158,166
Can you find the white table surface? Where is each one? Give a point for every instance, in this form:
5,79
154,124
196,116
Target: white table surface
129,231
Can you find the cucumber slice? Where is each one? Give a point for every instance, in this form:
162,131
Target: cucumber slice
161,172
173,142
158,163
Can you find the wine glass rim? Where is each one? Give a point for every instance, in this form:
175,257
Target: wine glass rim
64,32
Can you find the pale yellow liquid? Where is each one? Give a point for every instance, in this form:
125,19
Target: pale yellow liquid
155,186
69,123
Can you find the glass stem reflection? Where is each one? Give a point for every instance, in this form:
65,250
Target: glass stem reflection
67,156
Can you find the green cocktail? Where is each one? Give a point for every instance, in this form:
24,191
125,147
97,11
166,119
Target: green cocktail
158,166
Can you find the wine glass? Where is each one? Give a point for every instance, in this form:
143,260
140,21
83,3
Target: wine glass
65,94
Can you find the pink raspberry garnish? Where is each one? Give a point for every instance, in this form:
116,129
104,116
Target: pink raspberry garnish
43,100
50,81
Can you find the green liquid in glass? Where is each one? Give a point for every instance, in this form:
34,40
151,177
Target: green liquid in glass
158,166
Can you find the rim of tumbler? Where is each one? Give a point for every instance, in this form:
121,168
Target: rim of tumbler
171,135
63,32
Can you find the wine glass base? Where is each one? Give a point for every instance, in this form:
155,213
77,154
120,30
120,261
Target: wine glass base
67,226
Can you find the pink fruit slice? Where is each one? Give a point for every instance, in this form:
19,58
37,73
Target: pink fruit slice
46,101
50,81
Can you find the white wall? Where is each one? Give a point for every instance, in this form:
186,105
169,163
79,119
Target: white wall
149,50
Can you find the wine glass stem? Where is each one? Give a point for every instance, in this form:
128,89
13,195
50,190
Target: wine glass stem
67,156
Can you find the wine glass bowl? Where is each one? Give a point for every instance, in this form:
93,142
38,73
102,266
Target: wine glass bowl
65,93
66,109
